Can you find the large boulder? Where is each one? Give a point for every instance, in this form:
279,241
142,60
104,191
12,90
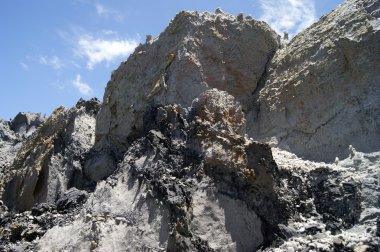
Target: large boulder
322,90
196,52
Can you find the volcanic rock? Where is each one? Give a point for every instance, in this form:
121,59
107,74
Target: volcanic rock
50,161
322,90
174,163
196,52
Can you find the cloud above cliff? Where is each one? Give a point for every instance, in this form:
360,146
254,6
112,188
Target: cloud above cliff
103,50
81,86
288,15
107,12
53,61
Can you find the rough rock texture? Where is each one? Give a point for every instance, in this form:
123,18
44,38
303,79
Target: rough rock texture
170,193
196,52
12,135
173,168
51,160
337,204
322,90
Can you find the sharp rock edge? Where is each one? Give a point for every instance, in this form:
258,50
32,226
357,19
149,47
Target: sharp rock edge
214,136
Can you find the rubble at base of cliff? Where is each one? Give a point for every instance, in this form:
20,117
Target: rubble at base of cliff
233,140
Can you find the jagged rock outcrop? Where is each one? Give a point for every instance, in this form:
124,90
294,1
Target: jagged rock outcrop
322,90
170,192
196,52
337,205
172,167
12,135
51,160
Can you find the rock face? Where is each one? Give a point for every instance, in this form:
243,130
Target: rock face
322,90
174,163
174,191
196,52
337,205
12,135
49,162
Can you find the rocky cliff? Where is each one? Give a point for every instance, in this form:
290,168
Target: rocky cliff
210,137
326,77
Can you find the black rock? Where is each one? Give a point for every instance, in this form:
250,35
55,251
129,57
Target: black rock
71,198
286,232
40,209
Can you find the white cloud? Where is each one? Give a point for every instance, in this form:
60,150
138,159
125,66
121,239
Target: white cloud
106,12
24,65
54,62
288,15
82,87
99,50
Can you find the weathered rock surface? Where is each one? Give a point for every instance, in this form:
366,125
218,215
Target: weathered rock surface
196,52
322,90
172,167
170,193
12,135
337,204
51,160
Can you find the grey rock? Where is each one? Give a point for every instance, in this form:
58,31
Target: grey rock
12,135
26,123
196,52
321,90
172,167
341,199
170,190
71,198
50,161
40,209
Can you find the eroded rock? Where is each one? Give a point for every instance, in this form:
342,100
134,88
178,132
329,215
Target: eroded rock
51,160
322,90
196,52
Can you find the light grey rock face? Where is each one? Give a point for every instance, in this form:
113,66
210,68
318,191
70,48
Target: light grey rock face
13,134
196,52
51,160
322,90
25,123
180,174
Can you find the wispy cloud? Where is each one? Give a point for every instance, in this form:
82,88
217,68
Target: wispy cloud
107,12
54,62
288,15
82,87
103,50
24,65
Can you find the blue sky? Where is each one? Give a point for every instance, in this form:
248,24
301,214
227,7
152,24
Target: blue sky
55,52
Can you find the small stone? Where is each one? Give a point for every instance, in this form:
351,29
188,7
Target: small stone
218,11
94,244
240,17
119,220
88,217
338,241
100,218
148,39
286,36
